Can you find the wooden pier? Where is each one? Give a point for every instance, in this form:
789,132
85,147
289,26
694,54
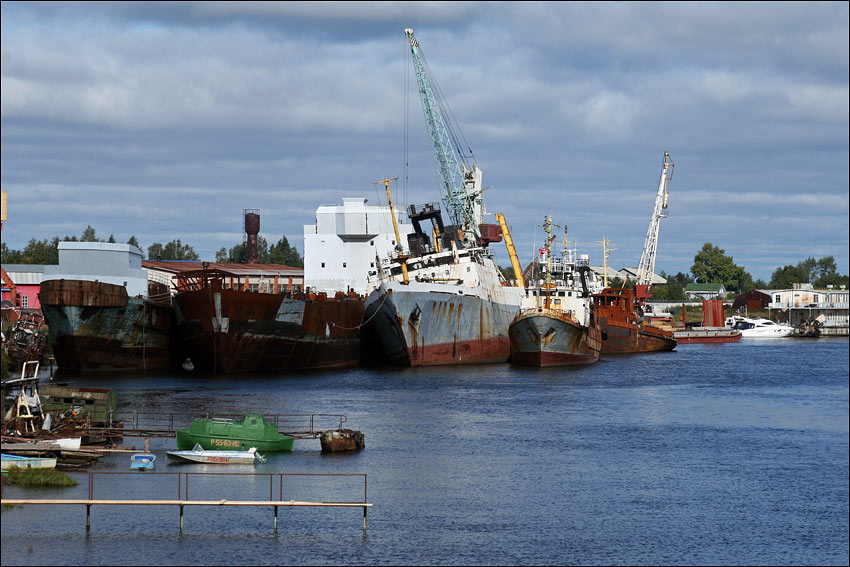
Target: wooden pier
183,500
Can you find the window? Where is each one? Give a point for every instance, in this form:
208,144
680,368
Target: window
25,301
345,264
323,264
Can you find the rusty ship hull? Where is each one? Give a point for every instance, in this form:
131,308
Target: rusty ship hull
462,319
547,337
231,330
95,326
621,328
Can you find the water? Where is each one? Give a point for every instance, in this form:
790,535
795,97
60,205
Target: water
732,454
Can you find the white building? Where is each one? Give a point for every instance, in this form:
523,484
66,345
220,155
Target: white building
802,304
347,242
119,264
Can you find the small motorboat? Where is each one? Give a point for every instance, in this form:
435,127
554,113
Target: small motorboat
142,462
201,455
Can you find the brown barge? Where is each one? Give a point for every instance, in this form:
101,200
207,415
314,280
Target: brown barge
225,327
621,326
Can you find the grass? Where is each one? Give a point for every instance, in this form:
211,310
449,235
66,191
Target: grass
29,478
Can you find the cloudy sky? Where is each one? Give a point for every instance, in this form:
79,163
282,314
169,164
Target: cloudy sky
165,120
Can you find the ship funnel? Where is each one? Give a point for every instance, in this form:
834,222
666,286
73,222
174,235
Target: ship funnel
252,229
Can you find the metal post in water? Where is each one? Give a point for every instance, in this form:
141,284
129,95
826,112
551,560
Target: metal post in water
88,517
181,518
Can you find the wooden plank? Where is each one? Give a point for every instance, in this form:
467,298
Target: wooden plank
15,501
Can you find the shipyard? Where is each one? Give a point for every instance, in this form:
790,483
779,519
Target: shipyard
284,296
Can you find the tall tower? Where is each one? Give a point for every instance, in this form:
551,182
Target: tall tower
252,229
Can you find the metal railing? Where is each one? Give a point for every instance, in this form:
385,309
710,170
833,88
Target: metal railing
183,499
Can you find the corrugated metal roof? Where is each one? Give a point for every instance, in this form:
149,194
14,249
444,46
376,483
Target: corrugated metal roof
265,270
25,274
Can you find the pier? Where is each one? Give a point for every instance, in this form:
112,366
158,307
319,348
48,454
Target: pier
183,499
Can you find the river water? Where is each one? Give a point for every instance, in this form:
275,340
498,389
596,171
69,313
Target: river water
732,454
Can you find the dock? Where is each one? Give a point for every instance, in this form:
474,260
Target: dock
183,500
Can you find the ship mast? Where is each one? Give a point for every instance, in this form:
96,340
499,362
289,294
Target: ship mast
399,248
547,228
460,184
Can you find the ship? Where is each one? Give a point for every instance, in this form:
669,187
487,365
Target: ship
442,299
225,327
622,326
103,314
448,306
556,325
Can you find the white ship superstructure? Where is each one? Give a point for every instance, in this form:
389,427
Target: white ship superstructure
342,247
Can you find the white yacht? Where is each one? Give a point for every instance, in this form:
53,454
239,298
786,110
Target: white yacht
758,327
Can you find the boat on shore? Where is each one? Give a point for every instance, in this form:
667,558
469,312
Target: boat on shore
224,327
231,434
556,325
200,455
11,461
622,328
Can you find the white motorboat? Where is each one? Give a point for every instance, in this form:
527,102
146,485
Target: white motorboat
201,455
758,327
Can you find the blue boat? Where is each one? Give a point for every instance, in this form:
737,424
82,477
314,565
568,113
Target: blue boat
142,462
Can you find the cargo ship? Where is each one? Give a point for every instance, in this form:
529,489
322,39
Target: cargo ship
621,325
103,314
225,327
442,299
557,325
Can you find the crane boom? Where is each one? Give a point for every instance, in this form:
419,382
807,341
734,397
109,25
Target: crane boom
460,184
646,268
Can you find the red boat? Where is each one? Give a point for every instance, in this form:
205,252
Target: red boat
621,325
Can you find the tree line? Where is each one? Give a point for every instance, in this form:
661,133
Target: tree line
712,265
46,251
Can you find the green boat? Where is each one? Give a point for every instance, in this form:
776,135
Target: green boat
234,435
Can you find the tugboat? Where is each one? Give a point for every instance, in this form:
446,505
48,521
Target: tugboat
556,325
233,435
622,327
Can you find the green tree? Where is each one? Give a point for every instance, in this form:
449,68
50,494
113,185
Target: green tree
9,256
134,242
712,265
89,235
174,250
283,253
41,252
221,256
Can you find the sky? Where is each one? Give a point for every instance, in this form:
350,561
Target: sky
164,120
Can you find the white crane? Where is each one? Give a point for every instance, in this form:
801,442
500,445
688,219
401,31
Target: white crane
646,267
